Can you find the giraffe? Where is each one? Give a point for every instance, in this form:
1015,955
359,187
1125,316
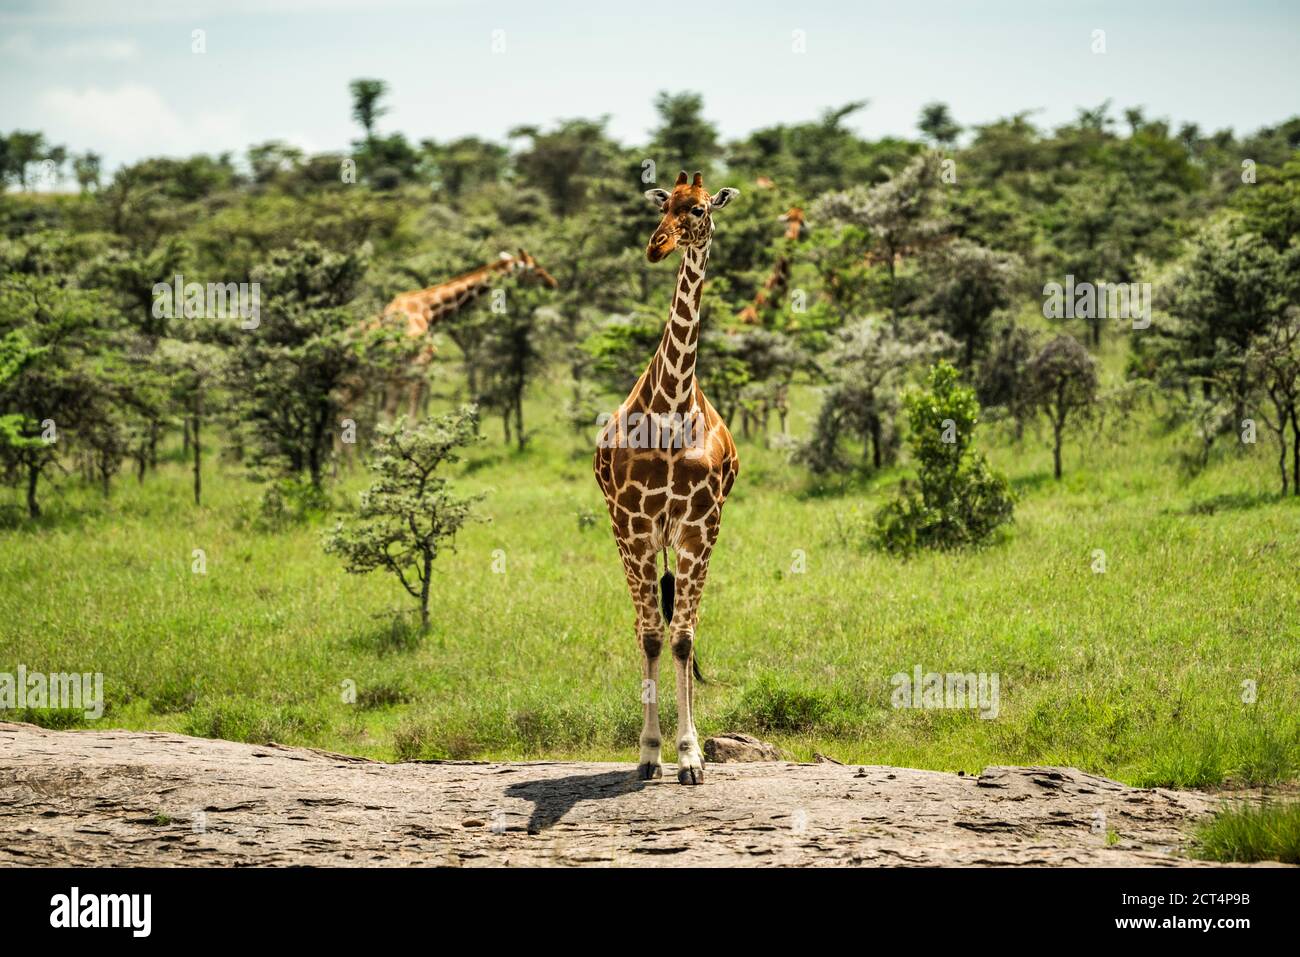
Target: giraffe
762,311
772,292
665,463
421,309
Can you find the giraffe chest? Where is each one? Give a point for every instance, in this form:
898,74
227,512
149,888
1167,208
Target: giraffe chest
661,494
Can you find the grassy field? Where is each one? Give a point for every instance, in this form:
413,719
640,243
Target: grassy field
1138,673
1243,833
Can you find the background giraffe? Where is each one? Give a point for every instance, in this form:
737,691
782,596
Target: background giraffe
772,293
666,462
421,309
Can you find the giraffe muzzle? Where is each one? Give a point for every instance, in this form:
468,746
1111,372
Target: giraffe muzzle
660,246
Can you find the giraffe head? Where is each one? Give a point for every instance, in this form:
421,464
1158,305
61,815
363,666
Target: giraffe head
796,224
688,215
529,270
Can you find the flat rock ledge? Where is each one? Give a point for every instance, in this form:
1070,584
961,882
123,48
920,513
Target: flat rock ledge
124,798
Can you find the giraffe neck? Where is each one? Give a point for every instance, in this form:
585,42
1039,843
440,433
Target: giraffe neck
671,373
456,294
769,294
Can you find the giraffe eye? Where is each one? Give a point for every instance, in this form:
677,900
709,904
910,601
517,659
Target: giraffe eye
697,210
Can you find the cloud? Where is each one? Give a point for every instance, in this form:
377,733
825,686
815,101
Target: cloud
24,46
21,45
109,49
133,120
84,12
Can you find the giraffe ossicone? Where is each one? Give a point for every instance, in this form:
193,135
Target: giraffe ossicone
666,496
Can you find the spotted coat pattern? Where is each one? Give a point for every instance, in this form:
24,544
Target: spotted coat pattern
669,496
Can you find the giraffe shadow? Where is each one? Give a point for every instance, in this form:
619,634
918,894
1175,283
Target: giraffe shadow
555,797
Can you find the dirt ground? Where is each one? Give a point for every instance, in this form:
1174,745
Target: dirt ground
129,798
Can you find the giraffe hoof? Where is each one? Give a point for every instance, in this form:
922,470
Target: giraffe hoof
647,771
690,775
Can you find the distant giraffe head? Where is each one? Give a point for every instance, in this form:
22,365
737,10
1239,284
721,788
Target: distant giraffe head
529,270
796,224
688,215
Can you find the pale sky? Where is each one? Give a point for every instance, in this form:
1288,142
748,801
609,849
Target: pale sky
120,77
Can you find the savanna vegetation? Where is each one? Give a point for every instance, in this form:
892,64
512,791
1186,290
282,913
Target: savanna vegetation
939,469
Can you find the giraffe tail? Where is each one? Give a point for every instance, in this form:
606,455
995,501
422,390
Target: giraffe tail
667,591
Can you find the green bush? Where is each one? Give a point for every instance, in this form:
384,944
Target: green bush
768,706
251,721
287,502
957,500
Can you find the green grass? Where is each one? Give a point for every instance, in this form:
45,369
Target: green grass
1249,832
1140,673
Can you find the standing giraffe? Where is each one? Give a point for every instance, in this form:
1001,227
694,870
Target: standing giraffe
772,292
415,312
666,463
423,308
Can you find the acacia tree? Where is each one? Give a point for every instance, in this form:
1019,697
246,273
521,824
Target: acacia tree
968,285
865,368
1063,386
898,217
771,361
937,124
290,373
86,168
409,514
684,138
468,329
131,276
194,368
1274,361
20,149
48,387
366,95
1000,377
513,353
1229,290
724,376
18,435
1099,225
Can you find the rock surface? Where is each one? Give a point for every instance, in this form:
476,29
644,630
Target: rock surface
128,798
739,747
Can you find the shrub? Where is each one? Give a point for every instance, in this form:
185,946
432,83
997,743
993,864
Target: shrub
409,515
289,501
957,500
1062,381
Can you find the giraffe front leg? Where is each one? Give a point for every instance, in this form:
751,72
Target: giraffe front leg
690,759
650,764
692,567
640,568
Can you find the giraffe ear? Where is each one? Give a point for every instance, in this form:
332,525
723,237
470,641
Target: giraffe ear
658,197
722,197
